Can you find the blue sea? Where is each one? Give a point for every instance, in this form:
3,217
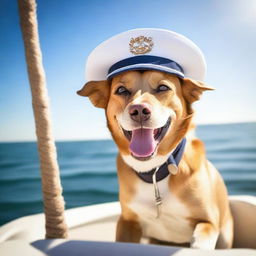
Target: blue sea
88,169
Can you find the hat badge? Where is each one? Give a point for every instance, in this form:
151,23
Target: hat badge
141,45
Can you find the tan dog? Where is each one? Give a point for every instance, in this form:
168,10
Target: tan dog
148,114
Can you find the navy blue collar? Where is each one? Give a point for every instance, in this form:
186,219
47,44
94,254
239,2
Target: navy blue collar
163,171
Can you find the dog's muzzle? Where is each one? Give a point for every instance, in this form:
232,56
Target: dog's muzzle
144,141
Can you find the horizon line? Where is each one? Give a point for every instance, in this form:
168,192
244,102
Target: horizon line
110,138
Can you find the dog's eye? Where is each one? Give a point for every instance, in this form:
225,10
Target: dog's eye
122,91
162,88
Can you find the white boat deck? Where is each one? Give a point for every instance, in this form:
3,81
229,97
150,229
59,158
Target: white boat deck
93,223
98,223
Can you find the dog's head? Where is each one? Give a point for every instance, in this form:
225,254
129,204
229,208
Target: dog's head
148,113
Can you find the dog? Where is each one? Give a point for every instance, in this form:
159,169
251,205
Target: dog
148,114
147,80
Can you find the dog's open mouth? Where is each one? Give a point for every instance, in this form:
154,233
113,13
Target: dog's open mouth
144,141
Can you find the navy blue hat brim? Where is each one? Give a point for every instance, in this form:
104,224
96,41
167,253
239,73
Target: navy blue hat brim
146,62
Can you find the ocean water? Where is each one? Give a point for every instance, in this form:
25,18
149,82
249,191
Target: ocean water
88,169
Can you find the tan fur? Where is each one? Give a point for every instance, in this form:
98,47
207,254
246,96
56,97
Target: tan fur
197,184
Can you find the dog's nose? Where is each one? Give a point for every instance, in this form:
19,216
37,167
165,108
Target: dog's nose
140,112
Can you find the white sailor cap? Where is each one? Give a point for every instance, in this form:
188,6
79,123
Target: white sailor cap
146,49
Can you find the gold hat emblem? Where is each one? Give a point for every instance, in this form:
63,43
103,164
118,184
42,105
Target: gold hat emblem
141,45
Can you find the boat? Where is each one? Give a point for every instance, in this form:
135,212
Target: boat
92,232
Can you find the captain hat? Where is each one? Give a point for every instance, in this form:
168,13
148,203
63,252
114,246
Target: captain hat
146,49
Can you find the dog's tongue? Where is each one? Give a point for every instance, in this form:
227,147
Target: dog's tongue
143,143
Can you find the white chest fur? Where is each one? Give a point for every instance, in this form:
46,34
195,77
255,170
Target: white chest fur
172,224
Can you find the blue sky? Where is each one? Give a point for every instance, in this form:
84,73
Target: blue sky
69,30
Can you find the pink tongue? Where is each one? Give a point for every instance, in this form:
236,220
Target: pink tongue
143,143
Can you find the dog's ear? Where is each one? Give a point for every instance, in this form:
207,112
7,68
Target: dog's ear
193,89
97,91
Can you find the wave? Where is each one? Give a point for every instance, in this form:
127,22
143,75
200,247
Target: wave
20,204
91,175
88,192
69,176
18,164
233,160
228,149
236,168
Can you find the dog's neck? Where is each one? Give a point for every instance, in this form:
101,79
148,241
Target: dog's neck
145,170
